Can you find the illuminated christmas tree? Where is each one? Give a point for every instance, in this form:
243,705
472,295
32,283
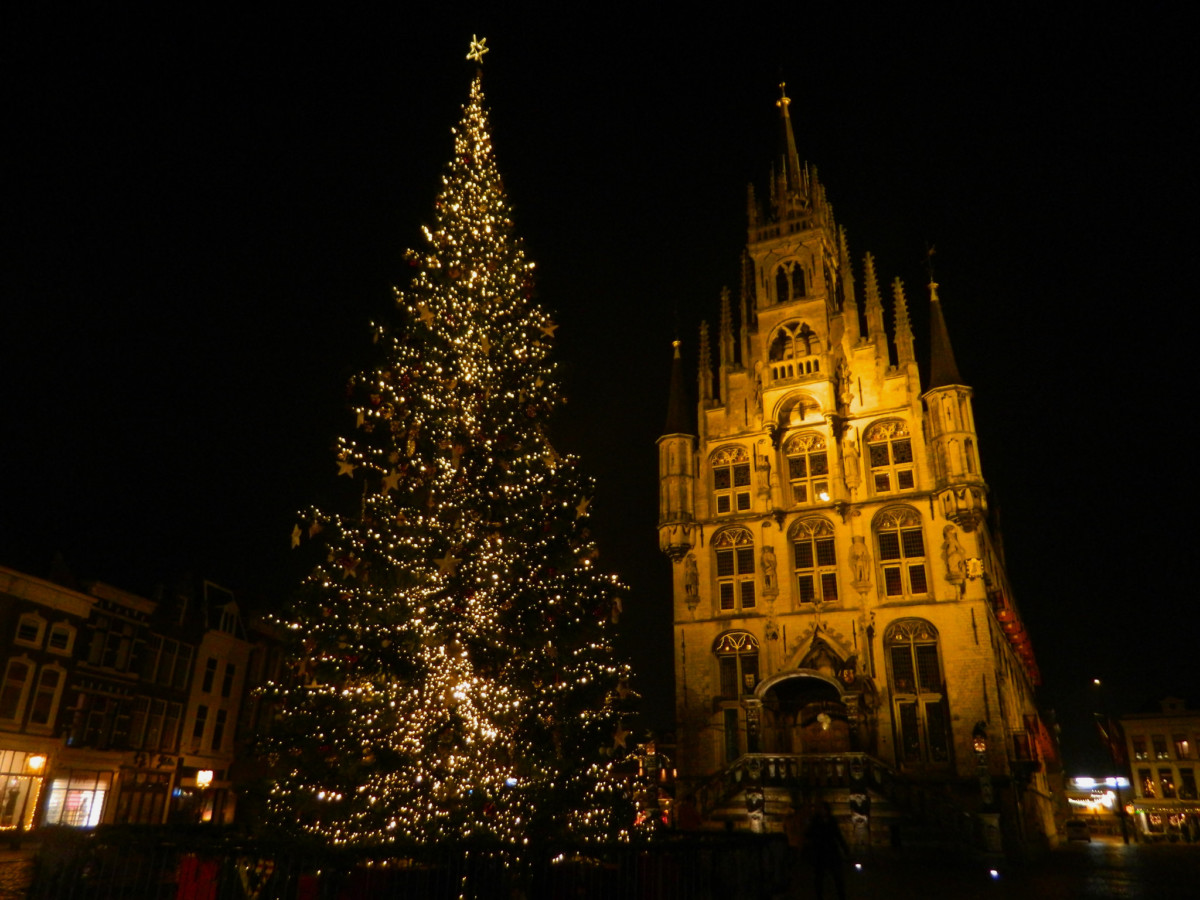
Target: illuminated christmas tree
454,675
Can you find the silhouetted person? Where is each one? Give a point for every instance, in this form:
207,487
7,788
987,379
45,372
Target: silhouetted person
827,848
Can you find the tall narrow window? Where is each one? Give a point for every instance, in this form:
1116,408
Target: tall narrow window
734,552
737,660
15,689
808,468
889,449
227,681
210,673
45,698
902,553
922,721
816,561
731,480
219,730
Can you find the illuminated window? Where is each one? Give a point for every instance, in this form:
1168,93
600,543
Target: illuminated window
734,552
808,468
77,799
30,628
18,677
1160,746
921,719
737,660
1183,749
816,561
1146,780
1139,747
901,553
1167,779
731,480
889,450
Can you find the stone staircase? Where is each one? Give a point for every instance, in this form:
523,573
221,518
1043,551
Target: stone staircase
757,790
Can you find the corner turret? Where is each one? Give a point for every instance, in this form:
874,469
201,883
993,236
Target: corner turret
676,469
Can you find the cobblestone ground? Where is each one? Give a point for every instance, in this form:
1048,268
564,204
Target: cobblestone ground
1101,870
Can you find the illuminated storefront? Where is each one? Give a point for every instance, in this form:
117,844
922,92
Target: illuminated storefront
77,797
20,786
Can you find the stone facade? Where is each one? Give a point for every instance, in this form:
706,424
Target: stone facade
1163,749
838,587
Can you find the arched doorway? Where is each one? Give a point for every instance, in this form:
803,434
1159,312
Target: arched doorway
804,714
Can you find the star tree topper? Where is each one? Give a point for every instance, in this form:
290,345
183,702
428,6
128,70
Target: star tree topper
477,49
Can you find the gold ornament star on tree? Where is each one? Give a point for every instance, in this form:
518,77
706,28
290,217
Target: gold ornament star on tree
478,48
448,564
620,736
426,314
548,329
295,536
581,507
391,481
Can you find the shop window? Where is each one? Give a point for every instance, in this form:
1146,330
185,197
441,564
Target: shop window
77,799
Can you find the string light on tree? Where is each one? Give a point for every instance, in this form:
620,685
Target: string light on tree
453,672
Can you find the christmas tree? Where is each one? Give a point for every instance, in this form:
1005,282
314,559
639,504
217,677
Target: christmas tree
453,674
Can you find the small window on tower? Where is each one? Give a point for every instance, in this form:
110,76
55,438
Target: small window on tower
731,480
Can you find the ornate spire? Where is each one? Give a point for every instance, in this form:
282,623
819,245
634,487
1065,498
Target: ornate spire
874,308
725,337
678,420
849,300
791,159
705,365
904,336
943,370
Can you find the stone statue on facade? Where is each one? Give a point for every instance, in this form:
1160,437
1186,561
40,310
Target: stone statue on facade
691,581
850,465
952,553
860,563
770,575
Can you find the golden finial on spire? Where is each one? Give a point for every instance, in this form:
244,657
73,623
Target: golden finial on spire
783,100
478,48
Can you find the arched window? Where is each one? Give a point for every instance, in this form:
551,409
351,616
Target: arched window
46,696
15,689
789,282
731,480
808,468
734,552
30,628
921,719
816,561
62,638
737,661
889,449
901,543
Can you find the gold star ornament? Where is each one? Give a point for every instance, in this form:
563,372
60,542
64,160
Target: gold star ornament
478,48
448,564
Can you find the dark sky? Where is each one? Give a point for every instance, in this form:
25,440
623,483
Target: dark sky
205,211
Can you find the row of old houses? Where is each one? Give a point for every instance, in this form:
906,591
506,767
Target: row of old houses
121,709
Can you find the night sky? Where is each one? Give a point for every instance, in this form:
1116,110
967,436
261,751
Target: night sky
206,210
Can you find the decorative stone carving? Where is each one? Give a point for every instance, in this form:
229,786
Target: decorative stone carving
691,581
860,563
851,467
955,558
769,573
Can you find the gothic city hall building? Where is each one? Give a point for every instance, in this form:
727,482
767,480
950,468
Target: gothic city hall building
844,628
